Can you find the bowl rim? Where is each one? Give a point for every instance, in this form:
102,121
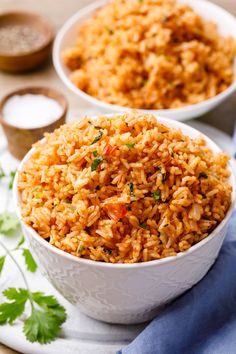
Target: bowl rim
34,90
158,262
33,15
57,62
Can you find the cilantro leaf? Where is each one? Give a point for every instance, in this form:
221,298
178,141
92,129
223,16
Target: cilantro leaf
18,295
131,189
130,146
29,260
143,226
50,303
8,222
156,195
9,311
12,177
98,137
20,243
2,261
42,327
96,162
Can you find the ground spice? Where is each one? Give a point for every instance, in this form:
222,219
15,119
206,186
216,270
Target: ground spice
19,38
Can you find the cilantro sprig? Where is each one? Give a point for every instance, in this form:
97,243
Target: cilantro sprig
47,315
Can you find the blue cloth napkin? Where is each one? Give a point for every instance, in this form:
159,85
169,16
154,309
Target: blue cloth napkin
203,320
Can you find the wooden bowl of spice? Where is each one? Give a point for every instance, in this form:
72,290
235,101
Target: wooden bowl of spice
25,41
26,114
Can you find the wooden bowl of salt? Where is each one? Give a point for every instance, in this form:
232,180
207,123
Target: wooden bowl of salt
26,114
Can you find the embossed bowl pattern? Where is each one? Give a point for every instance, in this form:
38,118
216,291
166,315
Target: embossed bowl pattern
126,293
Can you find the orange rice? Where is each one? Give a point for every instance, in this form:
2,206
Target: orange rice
123,189
151,54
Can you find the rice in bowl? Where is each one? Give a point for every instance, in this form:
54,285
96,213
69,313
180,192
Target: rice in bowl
150,54
123,189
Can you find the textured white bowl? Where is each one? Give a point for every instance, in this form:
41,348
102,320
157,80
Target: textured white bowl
67,35
126,293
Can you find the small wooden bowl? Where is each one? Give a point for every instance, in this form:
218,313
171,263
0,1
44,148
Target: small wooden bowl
20,140
29,60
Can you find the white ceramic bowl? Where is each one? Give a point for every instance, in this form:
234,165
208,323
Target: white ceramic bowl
126,293
66,38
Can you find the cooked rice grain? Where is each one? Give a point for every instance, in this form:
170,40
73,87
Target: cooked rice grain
151,54
154,193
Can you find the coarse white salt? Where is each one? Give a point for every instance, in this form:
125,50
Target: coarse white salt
31,111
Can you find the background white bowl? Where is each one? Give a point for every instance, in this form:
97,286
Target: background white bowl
67,36
126,293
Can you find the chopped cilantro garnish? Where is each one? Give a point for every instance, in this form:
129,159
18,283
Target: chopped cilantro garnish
131,188
98,137
96,162
130,146
81,249
95,153
143,225
156,195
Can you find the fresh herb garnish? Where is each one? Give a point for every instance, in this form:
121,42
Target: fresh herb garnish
12,176
2,261
81,248
156,195
96,162
202,175
95,153
130,146
47,315
39,195
131,189
98,137
8,223
29,260
143,225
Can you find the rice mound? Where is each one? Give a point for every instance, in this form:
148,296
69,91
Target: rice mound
150,54
123,189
